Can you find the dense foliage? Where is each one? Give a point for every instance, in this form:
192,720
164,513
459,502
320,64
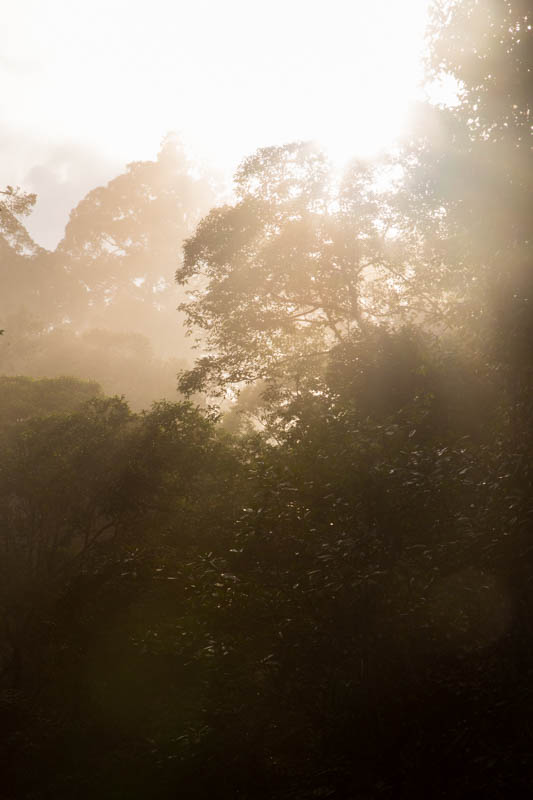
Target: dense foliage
327,592
102,305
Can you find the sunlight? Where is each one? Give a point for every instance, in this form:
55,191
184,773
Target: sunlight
366,102
345,79
230,77
265,399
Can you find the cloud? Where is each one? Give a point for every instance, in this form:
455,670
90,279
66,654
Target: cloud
60,173
60,182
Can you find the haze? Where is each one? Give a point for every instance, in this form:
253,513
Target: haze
87,88
266,415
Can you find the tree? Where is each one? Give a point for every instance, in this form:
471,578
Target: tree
474,160
301,262
83,481
21,260
103,304
475,163
22,397
15,204
487,47
123,241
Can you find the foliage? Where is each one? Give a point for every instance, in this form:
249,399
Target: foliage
105,299
22,397
14,204
300,263
121,362
335,599
123,240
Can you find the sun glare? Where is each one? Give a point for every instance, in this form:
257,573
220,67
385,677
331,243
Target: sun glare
231,77
365,99
344,78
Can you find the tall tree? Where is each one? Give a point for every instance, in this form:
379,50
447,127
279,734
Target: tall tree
475,160
103,304
302,262
123,241
478,167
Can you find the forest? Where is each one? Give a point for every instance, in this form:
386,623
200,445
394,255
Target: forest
265,472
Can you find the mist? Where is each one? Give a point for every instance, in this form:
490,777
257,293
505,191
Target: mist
101,302
266,380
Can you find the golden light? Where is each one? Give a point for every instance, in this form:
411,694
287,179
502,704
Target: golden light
359,97
229,76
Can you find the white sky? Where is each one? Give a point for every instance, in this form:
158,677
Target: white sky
89,86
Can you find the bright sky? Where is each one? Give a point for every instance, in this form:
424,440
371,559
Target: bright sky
89,86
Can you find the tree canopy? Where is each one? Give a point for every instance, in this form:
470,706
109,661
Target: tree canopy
303,261
332,598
